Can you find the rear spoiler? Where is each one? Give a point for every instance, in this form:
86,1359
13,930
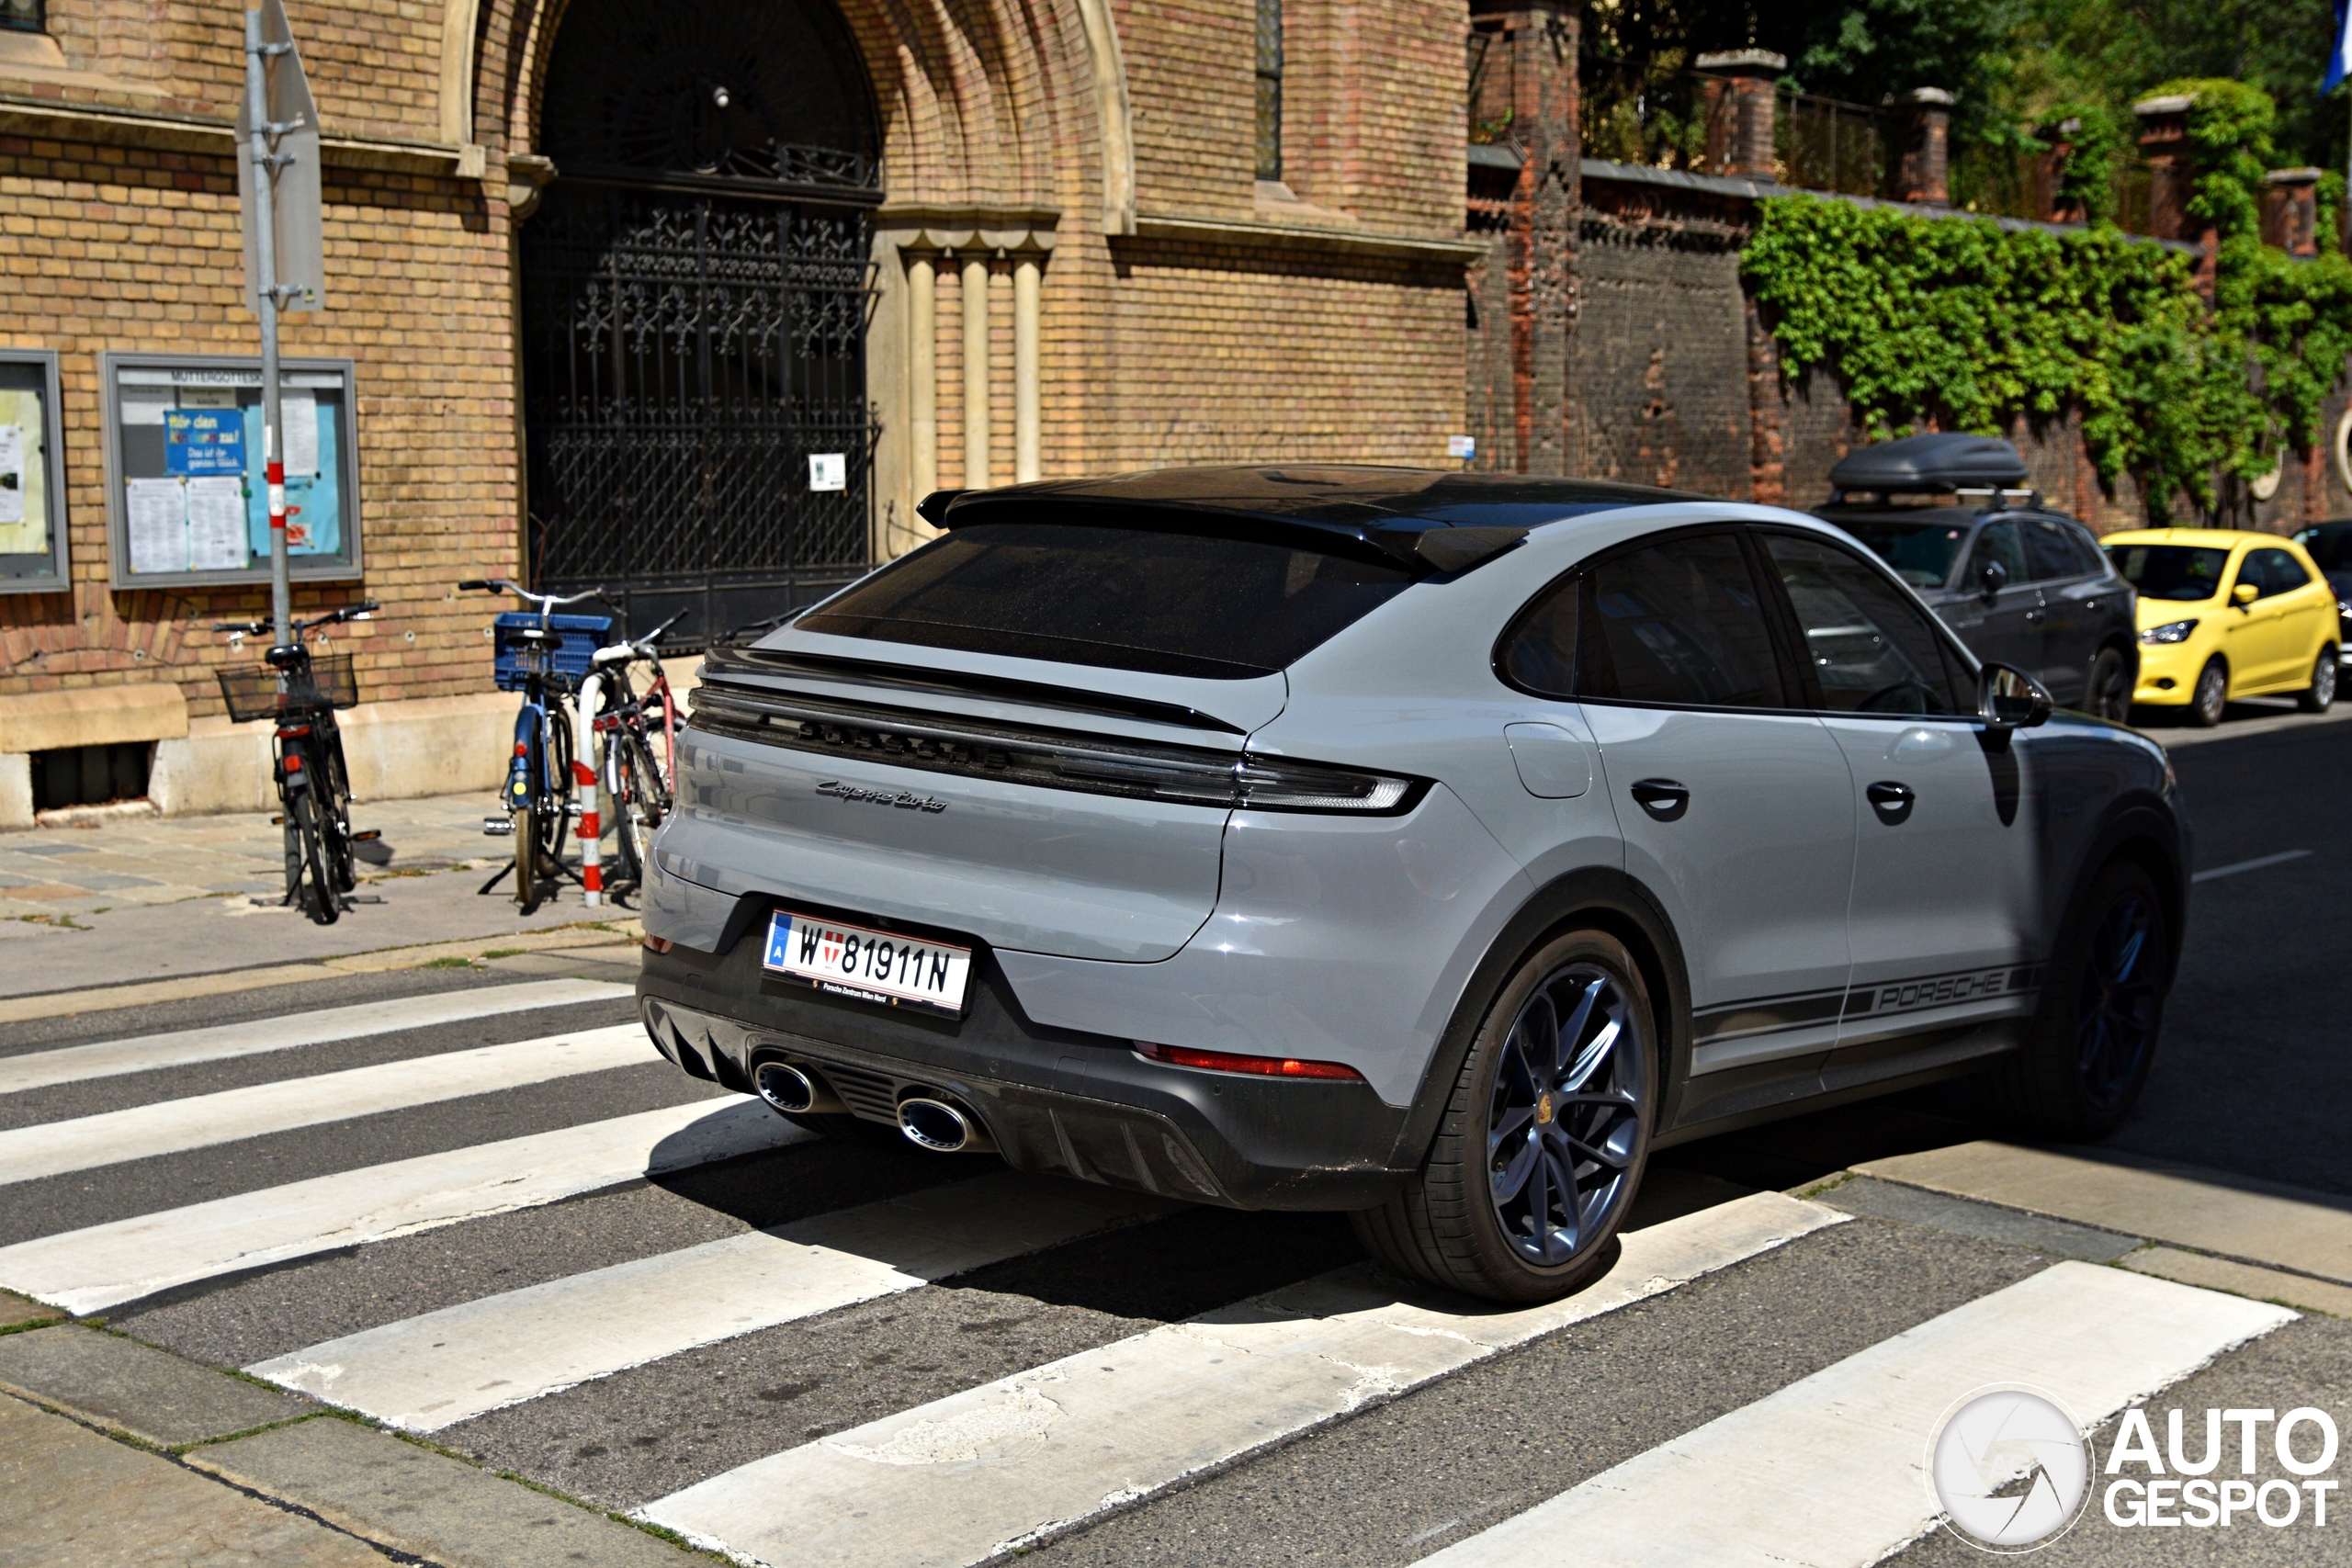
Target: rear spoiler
1433,548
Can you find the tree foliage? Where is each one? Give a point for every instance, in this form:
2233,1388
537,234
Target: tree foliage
1965,323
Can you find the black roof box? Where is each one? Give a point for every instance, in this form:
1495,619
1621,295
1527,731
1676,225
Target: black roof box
1943,461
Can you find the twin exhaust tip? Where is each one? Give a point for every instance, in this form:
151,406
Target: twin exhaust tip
940,1125
786,1087
944,1126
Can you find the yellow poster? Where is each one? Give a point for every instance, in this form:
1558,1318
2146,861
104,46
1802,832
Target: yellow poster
24,496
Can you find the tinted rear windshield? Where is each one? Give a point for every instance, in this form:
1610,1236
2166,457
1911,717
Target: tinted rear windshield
1168,603
1920,553
2331,547
2170,571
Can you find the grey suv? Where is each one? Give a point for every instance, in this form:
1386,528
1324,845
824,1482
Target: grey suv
1426,845
2022,585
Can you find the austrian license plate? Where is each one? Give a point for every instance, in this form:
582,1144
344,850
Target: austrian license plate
871,966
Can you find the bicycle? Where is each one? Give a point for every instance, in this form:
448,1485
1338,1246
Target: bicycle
538,657
301,693
639,784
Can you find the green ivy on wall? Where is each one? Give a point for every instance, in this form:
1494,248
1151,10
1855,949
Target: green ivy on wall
1965,323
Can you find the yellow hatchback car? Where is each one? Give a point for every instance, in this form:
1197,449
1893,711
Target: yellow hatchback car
2226,614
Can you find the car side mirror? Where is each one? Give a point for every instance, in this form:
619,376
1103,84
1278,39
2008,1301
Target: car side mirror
2244,593
1994,576
2009,698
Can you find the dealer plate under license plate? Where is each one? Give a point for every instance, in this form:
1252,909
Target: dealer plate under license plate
871,966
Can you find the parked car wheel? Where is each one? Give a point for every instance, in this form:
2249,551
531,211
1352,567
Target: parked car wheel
1544,1137
2107,692
2210,695
2094,1037
2320,695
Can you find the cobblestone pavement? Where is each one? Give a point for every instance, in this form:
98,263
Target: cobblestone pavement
51,873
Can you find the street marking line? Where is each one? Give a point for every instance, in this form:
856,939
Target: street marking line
1830,1471
2258,863
204,1120
103,1266
427,1372
964,1478
108,1058
2204,1211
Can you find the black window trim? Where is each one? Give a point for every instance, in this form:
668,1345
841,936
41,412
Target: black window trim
1793,628
1769,595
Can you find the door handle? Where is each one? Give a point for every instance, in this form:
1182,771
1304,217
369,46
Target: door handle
1892,801
1662,798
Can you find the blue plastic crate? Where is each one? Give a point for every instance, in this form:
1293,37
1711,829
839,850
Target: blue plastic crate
582,636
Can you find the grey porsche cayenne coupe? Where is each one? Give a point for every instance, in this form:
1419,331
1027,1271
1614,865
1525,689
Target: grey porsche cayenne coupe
1430,846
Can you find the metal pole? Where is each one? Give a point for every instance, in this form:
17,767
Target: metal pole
281,594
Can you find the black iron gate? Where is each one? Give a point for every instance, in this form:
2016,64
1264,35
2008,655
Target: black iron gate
686,355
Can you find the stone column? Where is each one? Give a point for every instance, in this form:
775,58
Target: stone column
976,436
1533,81
1924,175
2050,173
2172,175
1740,110
922,373
1027,432
2290,210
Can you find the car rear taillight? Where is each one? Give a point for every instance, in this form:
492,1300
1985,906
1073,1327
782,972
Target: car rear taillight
1227,1062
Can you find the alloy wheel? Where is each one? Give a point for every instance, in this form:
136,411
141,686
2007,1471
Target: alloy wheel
1563,1128
2212,695
2120,1000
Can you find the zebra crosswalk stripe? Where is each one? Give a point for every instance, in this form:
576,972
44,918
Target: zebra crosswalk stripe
171,1127
427,1373
103,1266
964,1478
108,1058
1830,1471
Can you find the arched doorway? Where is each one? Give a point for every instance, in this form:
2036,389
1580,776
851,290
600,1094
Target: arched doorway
696,284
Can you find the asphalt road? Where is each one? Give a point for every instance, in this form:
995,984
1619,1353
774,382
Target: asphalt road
352,1264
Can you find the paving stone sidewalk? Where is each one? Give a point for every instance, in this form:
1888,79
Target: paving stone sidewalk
54,871
146,898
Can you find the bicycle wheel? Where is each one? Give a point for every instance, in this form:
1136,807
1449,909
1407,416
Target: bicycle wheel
334,818
526,859
636,806
559,793
318,895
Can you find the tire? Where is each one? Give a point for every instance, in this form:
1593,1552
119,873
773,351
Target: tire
637,810
526,859
316,893
2210,698
2320,695
2093,1039
335,825
1463,1224
2106,690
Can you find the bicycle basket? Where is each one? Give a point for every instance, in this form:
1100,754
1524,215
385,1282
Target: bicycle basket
252,691
567,661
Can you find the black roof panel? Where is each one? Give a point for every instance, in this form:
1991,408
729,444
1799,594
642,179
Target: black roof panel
1386,510
1941,461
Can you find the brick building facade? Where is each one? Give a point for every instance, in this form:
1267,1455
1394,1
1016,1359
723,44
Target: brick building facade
1088,234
